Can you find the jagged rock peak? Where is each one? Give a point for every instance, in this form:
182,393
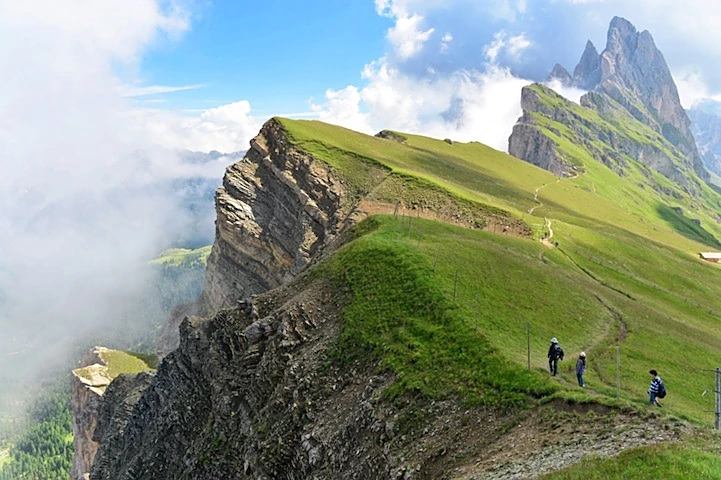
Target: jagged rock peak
587,73
560,73
633,71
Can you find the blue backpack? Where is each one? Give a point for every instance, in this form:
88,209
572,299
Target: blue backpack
661,389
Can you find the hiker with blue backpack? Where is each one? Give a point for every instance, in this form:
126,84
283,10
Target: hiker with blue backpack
657,389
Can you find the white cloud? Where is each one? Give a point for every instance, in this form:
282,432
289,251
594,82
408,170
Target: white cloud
144,90
343,107
227,128
693,88
513,46
467,105
571,93
446,42
407,36
83,203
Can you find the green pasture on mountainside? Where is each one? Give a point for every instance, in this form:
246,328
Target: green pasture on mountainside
622,270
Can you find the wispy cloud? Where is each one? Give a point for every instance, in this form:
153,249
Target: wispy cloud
145,90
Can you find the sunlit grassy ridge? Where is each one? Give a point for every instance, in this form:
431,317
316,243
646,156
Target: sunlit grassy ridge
624,270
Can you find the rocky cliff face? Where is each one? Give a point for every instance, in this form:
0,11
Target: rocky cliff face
88,385
587,74
706,124
529,143
633,72
277,209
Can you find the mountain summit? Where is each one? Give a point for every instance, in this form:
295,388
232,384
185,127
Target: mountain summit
633,72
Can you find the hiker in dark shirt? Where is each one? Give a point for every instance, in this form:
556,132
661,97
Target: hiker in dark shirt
581,369
555,353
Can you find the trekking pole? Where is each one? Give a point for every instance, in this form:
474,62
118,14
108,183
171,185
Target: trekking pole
718,398
528,343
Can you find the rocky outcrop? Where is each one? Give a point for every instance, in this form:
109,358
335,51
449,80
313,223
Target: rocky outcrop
548,118
262,399
587,73
277,209
560,73
87,387
633,72
280,208
98,370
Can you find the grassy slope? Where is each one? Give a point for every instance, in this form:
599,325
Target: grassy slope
650,463
602,224
183,258
117,362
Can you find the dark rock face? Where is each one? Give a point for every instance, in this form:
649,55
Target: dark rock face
529,143
587,73
261,399
250,399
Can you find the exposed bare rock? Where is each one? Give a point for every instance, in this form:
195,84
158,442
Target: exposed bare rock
587,73
246,399
527,142
634,74
276,209
560,73
280,208
84,401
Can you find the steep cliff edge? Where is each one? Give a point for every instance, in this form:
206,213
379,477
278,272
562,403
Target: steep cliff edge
282,206
277,208
90,381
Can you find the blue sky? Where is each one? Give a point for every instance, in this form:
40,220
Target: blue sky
277,54
445,68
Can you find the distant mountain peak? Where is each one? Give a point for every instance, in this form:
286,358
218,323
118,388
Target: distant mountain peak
560,73
633,71
587,73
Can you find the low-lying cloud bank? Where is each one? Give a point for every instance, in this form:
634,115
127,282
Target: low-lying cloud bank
92,186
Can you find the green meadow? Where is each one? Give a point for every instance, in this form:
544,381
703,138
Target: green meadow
625,275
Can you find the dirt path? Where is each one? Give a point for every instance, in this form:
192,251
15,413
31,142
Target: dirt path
547,240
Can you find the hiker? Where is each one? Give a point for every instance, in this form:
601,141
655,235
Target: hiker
555,353
581,369
657,389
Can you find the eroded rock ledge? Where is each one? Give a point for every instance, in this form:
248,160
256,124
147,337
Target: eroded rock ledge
276,210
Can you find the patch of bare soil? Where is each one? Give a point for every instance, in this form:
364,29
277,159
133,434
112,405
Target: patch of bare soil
493,224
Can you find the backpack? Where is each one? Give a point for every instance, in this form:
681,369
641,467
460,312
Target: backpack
661,390
557,352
